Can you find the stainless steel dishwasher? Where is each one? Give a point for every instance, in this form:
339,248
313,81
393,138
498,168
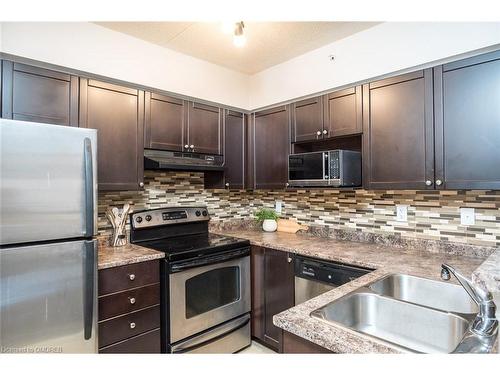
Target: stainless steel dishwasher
314,276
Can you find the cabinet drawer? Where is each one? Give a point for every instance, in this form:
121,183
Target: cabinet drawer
128,301
115,279
148,342
126,326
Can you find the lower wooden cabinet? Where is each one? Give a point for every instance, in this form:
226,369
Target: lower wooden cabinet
293,344
272,293
129,309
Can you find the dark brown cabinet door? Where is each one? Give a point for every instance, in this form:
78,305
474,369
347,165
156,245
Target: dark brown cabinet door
343,112
467,123
279,293
307,119
270,145
272,293
204,129
257,261
234,149
164,122
39,95
398,148
117,113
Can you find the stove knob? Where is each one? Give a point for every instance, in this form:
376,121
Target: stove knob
205,213
148,218
138,219
198,213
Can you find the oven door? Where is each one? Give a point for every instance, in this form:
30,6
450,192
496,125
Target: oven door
308,169
205,296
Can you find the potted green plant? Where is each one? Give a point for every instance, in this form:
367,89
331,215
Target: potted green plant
268,218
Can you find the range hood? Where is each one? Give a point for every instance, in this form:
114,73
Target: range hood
182,161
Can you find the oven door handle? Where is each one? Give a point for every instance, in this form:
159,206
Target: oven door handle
211,340
181,266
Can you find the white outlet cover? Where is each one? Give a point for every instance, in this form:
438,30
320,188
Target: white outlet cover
278,205
467,216
401,212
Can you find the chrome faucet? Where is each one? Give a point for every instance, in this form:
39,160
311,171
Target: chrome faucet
485,323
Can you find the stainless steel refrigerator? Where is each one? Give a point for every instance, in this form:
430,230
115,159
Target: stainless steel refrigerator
48,252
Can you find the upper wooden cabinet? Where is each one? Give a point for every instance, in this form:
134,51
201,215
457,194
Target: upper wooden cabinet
34,94
117,113
204,128
467,123
398,148
343,113
307,119
234,149
165,122
269,145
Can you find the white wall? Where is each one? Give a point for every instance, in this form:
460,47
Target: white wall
95,49
382,49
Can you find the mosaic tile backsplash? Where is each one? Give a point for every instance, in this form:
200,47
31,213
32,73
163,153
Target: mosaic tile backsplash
432,215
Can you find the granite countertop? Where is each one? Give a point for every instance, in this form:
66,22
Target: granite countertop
109,256
383,258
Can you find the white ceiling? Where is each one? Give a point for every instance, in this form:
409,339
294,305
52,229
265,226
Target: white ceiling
268,43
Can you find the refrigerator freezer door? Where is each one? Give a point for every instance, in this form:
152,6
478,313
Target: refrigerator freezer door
48,182
48,298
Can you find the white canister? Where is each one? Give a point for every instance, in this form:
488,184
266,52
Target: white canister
269,225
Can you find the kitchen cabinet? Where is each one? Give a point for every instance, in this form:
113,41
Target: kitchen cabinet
234,149
165,122
467,123
117,112
307,119
204,129
129,308
293,344
34,94
398,147
272,293
343,112
269,145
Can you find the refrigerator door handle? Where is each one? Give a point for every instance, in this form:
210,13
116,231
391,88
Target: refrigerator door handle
89,188
89,282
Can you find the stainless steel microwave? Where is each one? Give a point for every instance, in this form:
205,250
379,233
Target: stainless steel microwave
338,168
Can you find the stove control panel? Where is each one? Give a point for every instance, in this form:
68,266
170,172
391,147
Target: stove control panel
168,215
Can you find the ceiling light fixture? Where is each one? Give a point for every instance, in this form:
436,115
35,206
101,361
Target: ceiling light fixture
239,38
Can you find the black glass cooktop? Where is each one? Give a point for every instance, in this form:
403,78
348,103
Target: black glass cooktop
195,245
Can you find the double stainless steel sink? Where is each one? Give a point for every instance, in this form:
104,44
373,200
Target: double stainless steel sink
412,313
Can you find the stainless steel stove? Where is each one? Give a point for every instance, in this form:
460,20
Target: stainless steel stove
205,280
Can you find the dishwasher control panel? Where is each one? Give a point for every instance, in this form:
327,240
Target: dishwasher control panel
332,273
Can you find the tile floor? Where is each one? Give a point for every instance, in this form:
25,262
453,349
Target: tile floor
257,348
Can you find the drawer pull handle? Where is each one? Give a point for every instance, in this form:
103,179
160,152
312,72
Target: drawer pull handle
132,325
132,300
131,277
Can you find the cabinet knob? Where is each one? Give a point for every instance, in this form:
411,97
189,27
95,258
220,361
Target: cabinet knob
289,259
131,277
141,184
132,325
131,300
318,133
439,182
325,131
186,146
287,184
227,184
428,182
191,147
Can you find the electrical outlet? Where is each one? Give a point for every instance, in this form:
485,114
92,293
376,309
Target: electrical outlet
278,205
401,212
467,216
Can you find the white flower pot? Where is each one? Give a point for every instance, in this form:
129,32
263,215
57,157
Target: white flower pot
269,225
